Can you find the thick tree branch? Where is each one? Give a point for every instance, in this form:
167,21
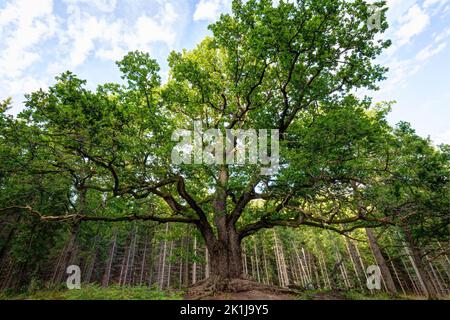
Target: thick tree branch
80,217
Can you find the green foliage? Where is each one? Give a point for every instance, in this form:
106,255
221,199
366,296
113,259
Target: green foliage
93,292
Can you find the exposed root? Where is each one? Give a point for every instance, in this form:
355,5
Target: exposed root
220,287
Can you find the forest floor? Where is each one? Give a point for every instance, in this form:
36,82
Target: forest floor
247,289
93,292
306,295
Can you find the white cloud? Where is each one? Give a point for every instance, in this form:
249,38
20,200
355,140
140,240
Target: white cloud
446,10
442,35
82,37
102,5
159,28
88,34
399,72
429,3
413,23
23,25
429,51
407,20
25,84
210,9
443,137
39,42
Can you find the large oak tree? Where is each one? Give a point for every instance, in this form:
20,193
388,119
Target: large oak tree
290,66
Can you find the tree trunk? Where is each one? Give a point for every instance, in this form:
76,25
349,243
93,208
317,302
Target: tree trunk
130,278
396,274
416,259
381,262
324,266
186,262
163,260
70,252
256,260
207,267
282,268
90,261
266,271
8,239
225,250
194,265
144,256
169,267
359,272
107,275
226,257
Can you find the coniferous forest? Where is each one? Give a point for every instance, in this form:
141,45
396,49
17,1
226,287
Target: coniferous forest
103,197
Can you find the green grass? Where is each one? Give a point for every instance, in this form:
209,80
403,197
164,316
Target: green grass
93,292
352,295
355,295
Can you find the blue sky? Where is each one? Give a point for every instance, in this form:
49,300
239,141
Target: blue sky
41,38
